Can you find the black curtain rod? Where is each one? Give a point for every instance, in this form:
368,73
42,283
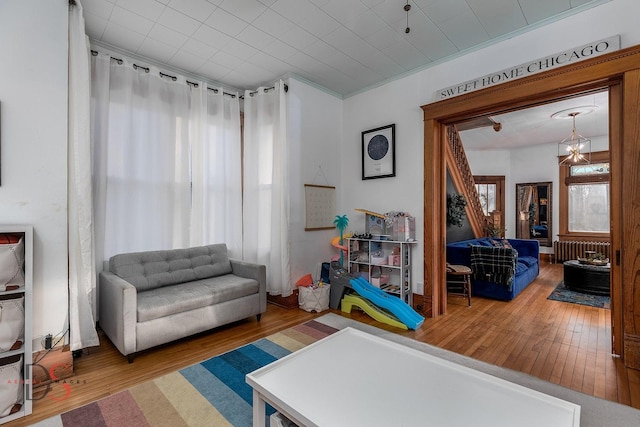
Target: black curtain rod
194,84
212,89
266,89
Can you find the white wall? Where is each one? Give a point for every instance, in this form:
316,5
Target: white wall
315,136
399,102
33,103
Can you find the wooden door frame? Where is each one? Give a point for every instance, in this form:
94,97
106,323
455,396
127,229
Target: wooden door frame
619,72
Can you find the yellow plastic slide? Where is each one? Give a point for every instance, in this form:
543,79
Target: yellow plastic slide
350,300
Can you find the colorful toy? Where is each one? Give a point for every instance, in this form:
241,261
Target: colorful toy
341,222
382,316
391,303
335,242
306,280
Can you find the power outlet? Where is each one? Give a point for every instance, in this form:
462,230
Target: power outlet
48,341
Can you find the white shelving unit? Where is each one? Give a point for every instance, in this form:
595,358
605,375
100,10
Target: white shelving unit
26,350
370,258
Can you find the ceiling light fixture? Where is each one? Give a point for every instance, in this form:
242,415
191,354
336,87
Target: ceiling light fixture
407,8
575,147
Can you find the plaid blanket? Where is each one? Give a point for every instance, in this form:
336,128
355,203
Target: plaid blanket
494,264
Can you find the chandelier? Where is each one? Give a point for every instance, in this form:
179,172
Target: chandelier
575,148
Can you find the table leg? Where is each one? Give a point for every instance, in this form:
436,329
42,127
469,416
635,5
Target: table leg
258,410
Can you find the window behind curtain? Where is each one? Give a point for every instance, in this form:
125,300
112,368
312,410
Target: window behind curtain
167,163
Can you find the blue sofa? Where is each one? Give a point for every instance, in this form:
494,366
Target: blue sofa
527,266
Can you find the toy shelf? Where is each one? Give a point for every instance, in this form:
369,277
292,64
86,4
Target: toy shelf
384,263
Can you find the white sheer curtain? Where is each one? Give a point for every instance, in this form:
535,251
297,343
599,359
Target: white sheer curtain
141,147
216,214
82,279
167,161
266,186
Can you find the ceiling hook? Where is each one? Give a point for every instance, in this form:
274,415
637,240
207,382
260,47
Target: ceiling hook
407,8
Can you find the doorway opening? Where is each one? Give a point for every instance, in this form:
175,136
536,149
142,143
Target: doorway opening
525,153
619,73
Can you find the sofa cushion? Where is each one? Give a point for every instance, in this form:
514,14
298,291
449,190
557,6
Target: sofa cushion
168,300
154,269
528,260
521,268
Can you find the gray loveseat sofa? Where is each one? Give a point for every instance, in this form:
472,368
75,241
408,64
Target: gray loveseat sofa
151,298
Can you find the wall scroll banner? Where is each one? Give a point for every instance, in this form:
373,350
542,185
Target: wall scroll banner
320,207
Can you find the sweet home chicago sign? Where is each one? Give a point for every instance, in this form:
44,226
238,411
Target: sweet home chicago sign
580,53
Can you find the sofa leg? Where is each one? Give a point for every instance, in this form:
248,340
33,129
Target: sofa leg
259,316
130,357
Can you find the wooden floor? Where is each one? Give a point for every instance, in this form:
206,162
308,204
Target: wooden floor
563,343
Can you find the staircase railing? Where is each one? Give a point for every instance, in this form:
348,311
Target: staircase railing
463,180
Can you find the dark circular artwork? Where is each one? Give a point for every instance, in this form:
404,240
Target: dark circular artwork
378,147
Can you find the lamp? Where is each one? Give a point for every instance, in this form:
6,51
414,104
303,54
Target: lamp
575,147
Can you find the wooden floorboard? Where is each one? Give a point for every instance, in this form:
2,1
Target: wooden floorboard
563,343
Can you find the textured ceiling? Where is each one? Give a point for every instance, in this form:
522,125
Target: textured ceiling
345,46
533,126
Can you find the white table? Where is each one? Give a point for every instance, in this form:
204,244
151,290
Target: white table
352,378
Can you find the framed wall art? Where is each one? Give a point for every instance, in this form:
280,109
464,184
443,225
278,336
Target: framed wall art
378,152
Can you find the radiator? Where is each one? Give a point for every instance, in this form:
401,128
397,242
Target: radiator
568,250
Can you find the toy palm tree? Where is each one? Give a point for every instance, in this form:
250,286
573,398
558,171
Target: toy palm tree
341,223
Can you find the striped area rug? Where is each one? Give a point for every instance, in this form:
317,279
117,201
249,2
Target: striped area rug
212,393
